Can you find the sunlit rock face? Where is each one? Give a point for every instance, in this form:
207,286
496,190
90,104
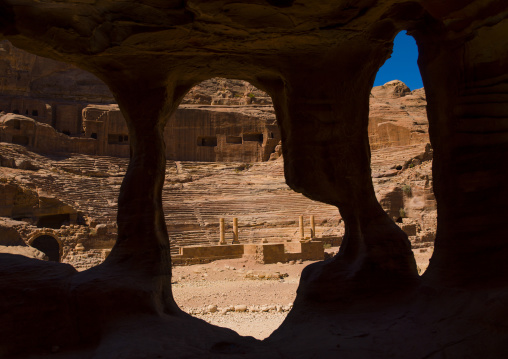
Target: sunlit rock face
318,62
211,124
397,116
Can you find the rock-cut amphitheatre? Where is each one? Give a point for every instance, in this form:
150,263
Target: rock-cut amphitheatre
102,181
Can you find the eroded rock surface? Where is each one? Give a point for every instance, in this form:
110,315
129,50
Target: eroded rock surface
318,62
195,196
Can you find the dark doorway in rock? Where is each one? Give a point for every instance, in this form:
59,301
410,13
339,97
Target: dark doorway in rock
208,141
54,221
48,245
253,137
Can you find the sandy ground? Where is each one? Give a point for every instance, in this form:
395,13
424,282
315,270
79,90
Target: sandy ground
250,298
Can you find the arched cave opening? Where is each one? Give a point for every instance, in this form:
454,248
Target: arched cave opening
48,245
401,152
224,143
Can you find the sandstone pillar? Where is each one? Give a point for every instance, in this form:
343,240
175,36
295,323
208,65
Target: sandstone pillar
322,109
140,260
300,225
235,231
312,227
222,232
466,88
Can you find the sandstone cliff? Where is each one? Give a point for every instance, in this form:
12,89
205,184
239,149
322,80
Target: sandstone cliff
36,86
25,75
397,116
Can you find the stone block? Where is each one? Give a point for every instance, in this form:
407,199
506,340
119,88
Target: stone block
212,252
266,253
305,250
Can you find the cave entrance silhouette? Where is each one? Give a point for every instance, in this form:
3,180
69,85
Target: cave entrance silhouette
49,246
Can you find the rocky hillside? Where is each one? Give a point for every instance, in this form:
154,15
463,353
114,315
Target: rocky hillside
25,75
397,115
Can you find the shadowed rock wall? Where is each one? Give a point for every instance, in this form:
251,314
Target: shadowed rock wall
317,60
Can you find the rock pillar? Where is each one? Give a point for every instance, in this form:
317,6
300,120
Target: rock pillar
222,231
300,225
323,113
467,95
312,227
235,231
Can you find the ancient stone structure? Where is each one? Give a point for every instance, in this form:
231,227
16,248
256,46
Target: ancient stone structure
246,133
46,211
222,120
317,60
40,137
76,103
264,253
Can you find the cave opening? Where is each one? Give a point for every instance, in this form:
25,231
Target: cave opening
401,159
49,246
240,183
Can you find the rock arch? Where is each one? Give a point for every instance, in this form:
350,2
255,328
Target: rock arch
318,61
49,242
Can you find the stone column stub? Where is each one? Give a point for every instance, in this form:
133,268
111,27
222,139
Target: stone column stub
302,230
235,231
222,238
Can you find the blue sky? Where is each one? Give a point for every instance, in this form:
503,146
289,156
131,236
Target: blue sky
402,65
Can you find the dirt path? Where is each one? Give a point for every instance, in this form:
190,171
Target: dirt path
250,298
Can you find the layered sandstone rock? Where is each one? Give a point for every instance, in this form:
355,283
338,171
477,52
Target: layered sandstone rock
397,116
22,130
35,87
45,210
317,60
194,133
221,91
24,75
29,252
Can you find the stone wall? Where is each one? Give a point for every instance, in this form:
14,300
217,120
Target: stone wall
193,133
33,77
41,137
230,128
217,133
